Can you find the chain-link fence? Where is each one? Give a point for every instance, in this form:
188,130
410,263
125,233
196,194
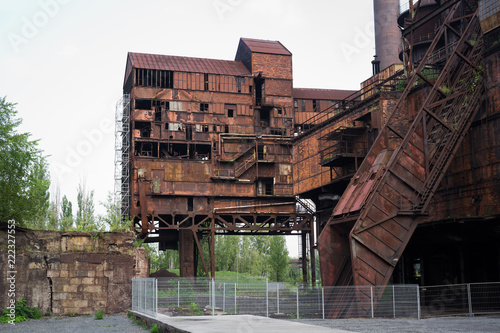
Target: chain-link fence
460,299
144,296
184,297
277,299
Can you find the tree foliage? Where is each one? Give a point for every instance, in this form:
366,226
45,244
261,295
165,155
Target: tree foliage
85,218
24,179
278,258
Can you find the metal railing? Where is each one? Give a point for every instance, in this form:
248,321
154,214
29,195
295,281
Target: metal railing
191,296
144,296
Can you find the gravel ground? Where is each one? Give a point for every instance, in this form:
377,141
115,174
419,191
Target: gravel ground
120,323
79,324
434,325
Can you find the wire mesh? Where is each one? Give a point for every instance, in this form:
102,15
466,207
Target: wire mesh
444,300
181,296
144,297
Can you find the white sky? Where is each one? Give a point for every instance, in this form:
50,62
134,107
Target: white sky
63,62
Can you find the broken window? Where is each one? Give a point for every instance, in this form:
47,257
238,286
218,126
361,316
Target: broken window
203,107
177,106
157,113
173,126
199,151
265,117
153,78
205,81
315,105
230,108
143,104
265,186
144,128
190,204
146,149
201,128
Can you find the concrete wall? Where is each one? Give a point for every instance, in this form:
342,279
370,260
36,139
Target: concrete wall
72,272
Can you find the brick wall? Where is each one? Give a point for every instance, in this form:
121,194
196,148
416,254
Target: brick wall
73,272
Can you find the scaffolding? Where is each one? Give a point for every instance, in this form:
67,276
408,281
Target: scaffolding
122,155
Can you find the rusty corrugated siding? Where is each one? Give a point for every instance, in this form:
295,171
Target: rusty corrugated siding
188,64
327,94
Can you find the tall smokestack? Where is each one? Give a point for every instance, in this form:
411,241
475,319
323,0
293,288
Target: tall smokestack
387,33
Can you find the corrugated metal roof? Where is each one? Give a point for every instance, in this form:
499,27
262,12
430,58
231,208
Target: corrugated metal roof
187,64
325,94
266,46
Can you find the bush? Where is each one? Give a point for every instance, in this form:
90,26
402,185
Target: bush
99,314
155,328
21,313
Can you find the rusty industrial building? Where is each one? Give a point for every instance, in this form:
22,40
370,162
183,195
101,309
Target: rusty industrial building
404,173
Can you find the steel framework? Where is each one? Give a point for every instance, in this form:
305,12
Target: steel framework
380,209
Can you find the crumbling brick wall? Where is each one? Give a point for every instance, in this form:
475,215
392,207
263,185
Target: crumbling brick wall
73,272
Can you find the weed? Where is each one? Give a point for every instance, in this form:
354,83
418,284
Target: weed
193,307
48,314
155,328
21,312
99,314
72,315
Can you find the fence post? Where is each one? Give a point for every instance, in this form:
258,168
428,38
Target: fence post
298,286
178,293
224,298
156,298
371,299
235,298
267,299
393,302
469,297
278,297
145,295
323,300
418,302
213,297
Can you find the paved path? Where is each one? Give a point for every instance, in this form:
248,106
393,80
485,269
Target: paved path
239,324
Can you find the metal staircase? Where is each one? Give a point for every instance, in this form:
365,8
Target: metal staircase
380,209
244,161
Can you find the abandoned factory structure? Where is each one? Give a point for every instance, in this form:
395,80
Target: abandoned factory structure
397,182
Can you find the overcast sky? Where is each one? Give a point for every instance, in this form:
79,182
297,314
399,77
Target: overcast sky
63,61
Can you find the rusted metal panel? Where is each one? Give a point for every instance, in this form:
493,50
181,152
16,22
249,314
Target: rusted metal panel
187,64
265,46
321,94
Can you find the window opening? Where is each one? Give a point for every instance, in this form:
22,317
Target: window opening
203,107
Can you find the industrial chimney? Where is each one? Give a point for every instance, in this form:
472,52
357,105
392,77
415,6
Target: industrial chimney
387,33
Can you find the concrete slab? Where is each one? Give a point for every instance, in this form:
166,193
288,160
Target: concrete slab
234,324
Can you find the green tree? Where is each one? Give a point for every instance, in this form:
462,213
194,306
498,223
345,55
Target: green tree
278,258
113,217
85,219
24,179
66,220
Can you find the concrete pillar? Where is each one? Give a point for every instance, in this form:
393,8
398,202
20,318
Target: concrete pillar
387,33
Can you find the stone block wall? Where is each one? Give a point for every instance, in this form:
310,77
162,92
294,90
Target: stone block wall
73,272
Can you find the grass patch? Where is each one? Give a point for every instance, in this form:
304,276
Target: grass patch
99,314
